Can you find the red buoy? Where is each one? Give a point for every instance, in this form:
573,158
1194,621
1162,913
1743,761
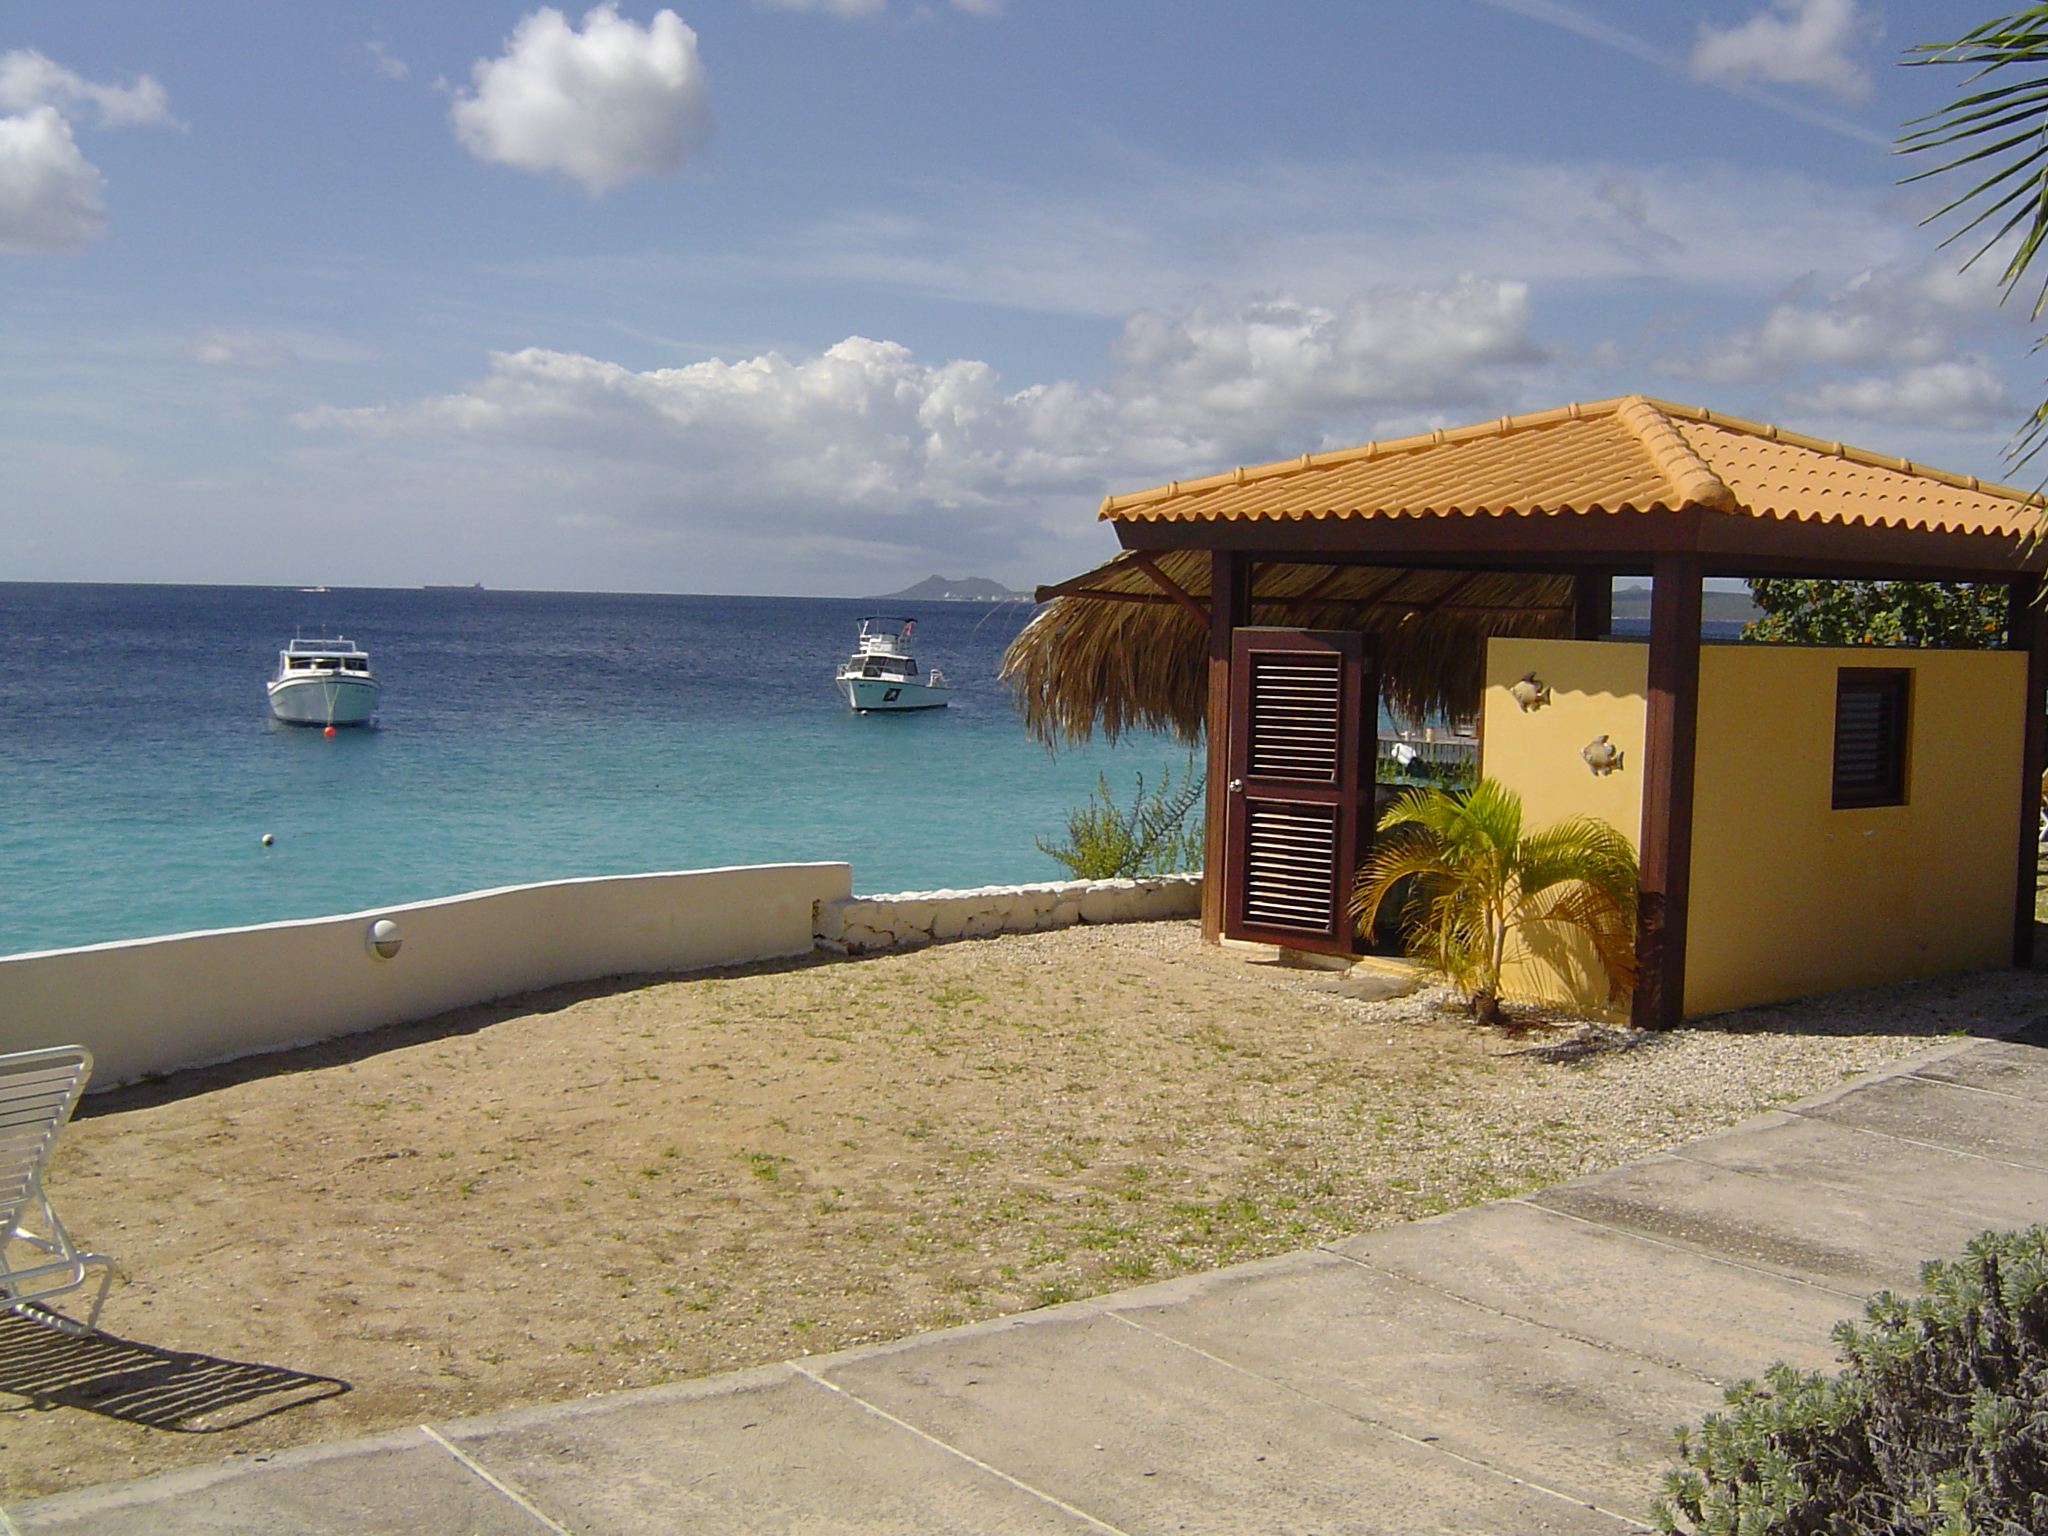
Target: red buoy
329,731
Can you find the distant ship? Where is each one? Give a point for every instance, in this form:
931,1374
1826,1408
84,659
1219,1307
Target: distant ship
474,586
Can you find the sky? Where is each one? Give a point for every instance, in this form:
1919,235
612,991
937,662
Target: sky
820,297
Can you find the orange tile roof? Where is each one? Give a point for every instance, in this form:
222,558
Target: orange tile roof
1629,454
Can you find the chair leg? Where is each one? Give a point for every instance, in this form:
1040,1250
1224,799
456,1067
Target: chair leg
105,1266
38,1302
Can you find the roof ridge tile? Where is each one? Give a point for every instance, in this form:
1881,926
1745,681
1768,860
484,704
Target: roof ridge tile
1692,480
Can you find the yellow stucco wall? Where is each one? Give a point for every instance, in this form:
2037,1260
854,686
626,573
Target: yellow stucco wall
1789,896
1597,688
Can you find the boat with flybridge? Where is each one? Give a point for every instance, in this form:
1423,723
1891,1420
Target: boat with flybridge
881,674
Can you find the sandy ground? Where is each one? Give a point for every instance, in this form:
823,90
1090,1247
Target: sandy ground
625,1184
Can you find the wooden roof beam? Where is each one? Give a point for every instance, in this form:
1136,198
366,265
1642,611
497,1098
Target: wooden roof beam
1143,560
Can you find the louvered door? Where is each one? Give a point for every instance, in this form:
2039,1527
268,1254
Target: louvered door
1303,717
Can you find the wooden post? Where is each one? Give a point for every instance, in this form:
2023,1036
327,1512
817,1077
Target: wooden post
1230,609
2025,631
1670,741
1592,604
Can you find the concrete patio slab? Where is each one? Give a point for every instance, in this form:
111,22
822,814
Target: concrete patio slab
2001,1067
2002,1126
1150,1437
395,1485
1528,1401
769,1450
1833,1160
1853,1241
1720,1320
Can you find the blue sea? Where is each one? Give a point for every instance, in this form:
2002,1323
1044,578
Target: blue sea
523,736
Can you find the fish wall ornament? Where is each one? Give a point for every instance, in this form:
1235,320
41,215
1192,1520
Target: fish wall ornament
1601,755
1531,692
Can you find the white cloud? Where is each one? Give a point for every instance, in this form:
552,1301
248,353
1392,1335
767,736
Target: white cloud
243,349
29,80
49,192
855,9
1796,42
1582,23
1964,394
845,8
1276,371
865,444
1136,232
600,106
1883,318
388,65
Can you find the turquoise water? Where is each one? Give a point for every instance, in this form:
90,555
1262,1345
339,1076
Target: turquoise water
523,736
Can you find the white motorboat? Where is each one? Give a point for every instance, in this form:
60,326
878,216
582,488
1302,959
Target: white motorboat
323,682
882,674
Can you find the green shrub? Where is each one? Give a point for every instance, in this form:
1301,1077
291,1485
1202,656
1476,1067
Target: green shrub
1937,1427
1160,834
1456,777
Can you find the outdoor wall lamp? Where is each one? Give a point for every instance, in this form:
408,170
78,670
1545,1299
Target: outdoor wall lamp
384,939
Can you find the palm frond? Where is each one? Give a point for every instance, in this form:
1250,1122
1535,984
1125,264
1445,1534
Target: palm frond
1997,129
1415,855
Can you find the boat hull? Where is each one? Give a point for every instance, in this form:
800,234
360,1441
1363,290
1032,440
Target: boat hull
867,694
325,700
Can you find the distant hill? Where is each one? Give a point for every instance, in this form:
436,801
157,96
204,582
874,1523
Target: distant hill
941,589
1715,607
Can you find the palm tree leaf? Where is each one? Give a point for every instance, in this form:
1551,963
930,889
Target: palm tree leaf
1608,927
2013,198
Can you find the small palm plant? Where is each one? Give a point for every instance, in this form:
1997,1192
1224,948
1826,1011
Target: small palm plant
1480,884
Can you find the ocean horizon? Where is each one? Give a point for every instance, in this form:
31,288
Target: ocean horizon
522,736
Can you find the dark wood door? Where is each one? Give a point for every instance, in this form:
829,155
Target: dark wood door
1303,724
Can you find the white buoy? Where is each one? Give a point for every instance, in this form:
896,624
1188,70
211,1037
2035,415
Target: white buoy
269,838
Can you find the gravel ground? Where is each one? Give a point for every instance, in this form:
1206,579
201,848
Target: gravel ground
624,1184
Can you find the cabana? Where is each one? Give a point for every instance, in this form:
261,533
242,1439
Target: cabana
1270,609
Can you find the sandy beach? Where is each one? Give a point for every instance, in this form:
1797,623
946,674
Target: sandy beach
623,1184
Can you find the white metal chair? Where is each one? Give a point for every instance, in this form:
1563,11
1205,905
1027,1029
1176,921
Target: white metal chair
38,1091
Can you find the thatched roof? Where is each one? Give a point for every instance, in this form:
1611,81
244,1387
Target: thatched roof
1116,650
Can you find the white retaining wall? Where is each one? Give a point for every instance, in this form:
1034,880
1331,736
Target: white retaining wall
863,924
148,1005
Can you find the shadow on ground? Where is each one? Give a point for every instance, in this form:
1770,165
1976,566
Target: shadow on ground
58,1365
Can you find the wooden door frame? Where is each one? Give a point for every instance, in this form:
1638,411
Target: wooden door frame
1230,609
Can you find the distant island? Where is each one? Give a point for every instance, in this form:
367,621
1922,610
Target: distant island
1633,602
941,589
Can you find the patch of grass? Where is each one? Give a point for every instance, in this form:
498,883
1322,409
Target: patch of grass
765,1166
